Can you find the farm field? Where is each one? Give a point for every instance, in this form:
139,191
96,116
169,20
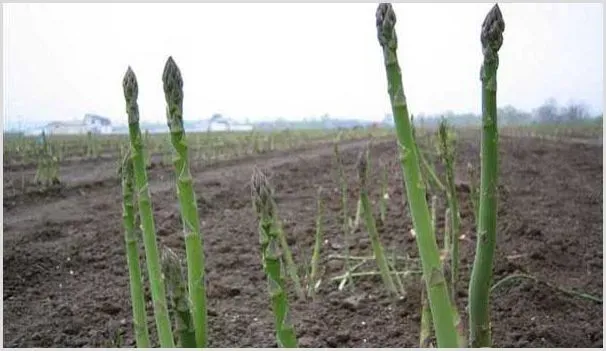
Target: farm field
66,280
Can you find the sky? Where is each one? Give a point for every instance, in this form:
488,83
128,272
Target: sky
264,61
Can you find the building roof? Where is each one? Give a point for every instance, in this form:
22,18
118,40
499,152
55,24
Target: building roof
58,124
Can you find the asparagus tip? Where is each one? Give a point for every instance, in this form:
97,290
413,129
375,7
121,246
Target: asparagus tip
129,83
385,22
260,190
362,167
492,29
173,92
171,76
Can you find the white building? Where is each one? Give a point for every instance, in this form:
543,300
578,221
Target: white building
90,123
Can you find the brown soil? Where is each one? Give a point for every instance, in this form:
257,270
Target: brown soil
66,280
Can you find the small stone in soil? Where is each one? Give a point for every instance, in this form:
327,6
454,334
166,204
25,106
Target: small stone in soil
353,302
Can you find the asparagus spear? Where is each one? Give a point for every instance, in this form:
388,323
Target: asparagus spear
132,254
265,208
437,289
173,93
158,292
481,275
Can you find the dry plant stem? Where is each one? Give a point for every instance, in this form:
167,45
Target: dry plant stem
132,255
194,245
439,299
373,273
264,206
177,288
156,281
536,280
481,275
371,225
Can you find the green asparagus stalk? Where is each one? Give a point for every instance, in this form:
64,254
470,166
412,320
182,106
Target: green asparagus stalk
371,225
264,206
158,292
315,258
447,154
434,278
481,276
173,92
132,255
177,289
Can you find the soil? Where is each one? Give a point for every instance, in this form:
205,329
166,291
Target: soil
66,279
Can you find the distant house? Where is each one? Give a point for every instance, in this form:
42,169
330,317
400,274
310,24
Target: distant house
98,124
65,127
90,123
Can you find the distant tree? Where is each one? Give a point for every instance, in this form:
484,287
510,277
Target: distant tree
574,112
548,112
510,115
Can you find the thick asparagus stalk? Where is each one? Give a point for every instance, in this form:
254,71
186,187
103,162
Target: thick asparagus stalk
173,93
481,276
132,254
265,208
439,299
158,292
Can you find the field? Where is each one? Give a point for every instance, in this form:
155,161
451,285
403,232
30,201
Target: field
66,278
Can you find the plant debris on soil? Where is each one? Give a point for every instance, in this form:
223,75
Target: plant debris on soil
66,278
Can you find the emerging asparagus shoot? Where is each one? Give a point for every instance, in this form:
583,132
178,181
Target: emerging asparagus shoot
264,206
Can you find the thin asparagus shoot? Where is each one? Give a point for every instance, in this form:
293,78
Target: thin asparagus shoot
446,140
371,225
344,204
439,300
315,258
132,254
194,244
158,292
481,275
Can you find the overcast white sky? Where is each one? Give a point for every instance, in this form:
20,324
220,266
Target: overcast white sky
293,60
